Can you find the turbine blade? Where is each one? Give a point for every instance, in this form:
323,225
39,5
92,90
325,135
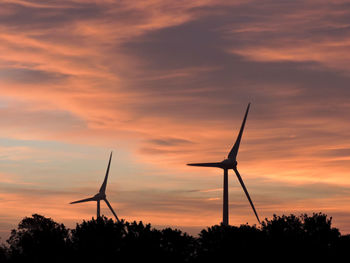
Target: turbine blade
110,207
206,164
234,151
104,184
246,193
83,200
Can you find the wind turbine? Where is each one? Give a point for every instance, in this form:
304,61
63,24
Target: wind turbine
101,195
231,163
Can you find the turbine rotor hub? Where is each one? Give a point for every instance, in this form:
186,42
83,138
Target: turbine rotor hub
100,196
229,164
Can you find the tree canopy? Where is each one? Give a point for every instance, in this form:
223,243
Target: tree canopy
40,239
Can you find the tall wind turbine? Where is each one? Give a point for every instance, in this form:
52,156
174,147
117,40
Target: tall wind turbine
231,163
101,195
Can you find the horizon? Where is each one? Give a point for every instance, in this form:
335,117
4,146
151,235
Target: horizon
193,231
163,84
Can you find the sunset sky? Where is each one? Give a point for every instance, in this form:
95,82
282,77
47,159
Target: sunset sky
165,83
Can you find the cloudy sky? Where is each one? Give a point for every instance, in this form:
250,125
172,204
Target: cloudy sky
164,83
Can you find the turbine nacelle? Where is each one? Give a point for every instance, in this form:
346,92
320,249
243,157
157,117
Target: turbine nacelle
99,196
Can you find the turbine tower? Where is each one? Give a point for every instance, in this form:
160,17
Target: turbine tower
231,163
101,195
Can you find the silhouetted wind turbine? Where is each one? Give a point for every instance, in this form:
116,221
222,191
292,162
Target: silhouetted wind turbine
101,195
231,163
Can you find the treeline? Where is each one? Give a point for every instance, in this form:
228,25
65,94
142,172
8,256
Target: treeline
283,238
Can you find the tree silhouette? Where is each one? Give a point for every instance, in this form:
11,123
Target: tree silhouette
142,242
319,233
3,253
177,246
102,239
283,238
38,239
147,244
218,243
342,248
97,239
308,236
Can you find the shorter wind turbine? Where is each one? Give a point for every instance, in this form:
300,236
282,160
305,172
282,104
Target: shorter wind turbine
231,163
101,195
